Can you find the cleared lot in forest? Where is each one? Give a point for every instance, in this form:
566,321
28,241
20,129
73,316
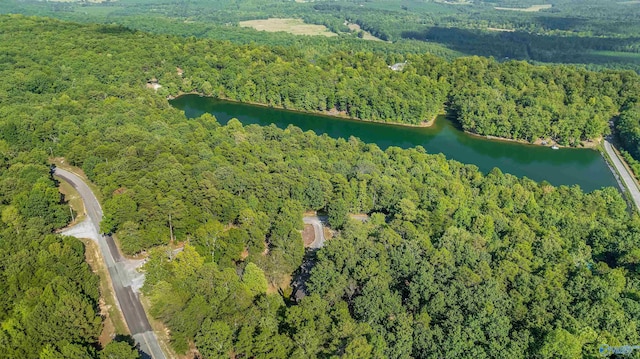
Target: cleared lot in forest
532,8
292,26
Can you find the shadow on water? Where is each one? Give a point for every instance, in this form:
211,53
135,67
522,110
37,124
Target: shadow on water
565,166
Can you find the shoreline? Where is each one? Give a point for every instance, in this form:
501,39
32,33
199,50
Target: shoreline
424,124
330,113
593,145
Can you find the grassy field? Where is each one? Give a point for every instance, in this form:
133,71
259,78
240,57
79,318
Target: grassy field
75,201
367,35
618,57
619,54
440,7
532,8
292,26
454,2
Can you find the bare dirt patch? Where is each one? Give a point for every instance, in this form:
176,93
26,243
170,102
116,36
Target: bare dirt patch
532,8
335,112
153,86
308,235
328,233
292,26
244,254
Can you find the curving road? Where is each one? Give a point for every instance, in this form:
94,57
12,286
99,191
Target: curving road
629,182
123,276
316,222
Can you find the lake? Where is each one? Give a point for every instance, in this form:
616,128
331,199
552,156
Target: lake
566,166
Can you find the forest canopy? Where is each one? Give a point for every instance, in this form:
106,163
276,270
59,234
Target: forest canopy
593,33
451,263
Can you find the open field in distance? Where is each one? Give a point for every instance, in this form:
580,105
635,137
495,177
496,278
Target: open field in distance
532,8
292,26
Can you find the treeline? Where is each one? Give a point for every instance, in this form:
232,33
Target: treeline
627,127
360,85
511,100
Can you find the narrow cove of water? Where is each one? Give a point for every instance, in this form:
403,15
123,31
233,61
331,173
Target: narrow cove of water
566,166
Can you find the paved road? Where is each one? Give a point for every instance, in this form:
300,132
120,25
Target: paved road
122,279
626,177
316,222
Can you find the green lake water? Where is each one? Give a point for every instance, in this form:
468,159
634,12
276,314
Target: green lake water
566,166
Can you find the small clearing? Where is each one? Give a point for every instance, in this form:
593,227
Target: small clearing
328,233
282,283
89,1
532,8
75,202
153,84
308,235
292,26
500,30
454,2
362,217
366,34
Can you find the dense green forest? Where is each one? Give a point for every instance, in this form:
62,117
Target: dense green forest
594,33
521,101
452,263
627,127
511,99
49,302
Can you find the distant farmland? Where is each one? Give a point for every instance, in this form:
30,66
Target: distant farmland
532,8
292,26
